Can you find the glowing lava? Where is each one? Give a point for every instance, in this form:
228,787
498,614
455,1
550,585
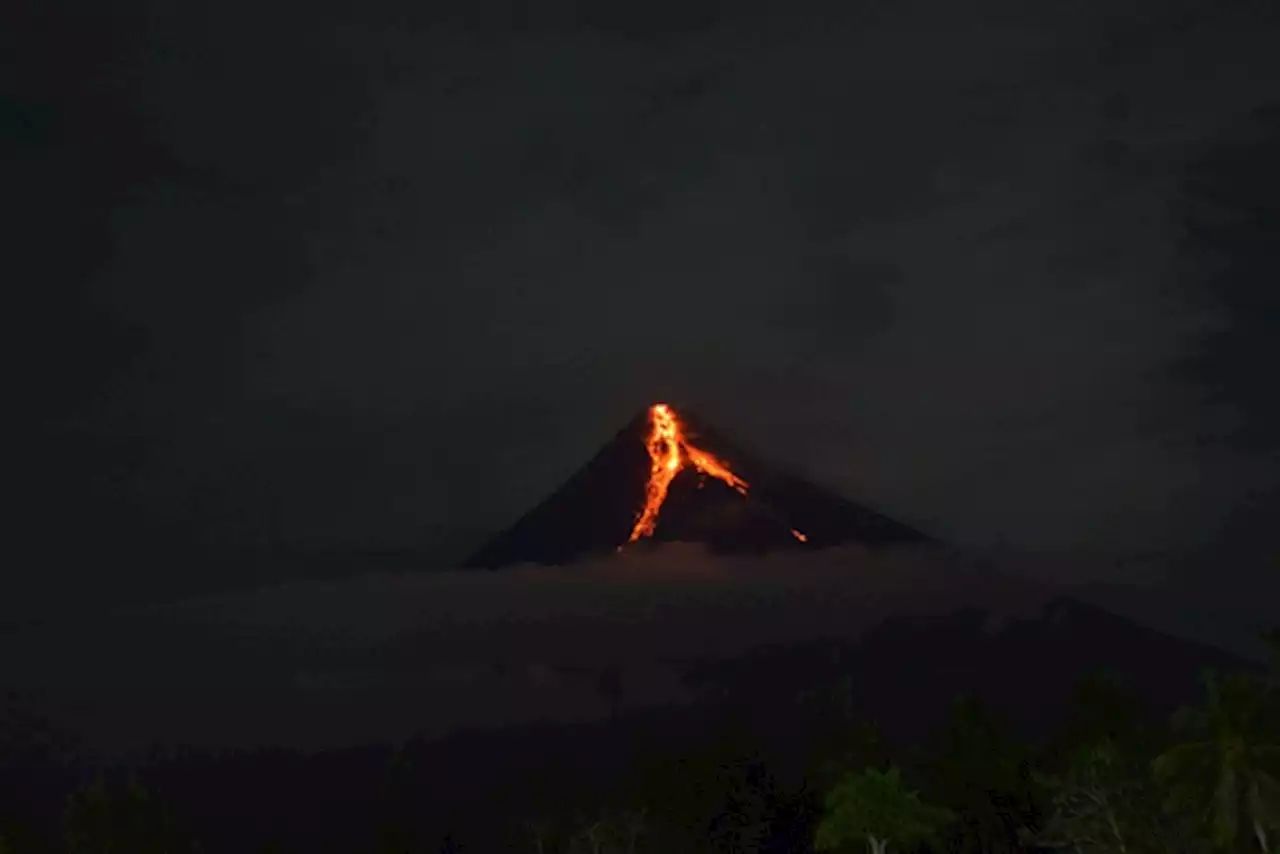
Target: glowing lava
669,452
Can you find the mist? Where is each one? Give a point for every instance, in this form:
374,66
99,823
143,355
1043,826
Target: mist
382,658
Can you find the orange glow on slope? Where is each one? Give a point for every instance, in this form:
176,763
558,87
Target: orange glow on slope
669,452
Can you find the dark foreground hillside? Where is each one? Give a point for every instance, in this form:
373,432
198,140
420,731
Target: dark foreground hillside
770,718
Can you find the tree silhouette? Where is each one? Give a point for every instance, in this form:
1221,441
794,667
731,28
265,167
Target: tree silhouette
876,806
104,820
1104,802
394,835
616,831
856,743
1105,709
1224,765
979,771
542,833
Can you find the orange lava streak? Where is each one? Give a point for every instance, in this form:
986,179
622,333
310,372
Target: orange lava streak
665,463
669,452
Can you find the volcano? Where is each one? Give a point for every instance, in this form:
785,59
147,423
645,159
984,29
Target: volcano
665,478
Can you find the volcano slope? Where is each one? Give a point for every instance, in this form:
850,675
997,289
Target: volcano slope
665,478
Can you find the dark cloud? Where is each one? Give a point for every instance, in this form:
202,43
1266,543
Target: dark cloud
352,274
837,305
383,657
1230,214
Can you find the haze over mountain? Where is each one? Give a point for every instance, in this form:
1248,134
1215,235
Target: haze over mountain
384,657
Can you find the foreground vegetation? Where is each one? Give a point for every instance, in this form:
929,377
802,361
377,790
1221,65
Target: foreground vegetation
1104,782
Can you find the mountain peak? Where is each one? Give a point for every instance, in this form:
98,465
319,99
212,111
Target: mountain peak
664,478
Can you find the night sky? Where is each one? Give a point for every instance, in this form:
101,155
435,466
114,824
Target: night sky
297,277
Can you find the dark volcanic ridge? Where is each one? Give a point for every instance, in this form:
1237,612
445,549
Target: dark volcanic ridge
791,699
594,511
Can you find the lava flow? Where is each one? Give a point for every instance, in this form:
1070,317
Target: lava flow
669,452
